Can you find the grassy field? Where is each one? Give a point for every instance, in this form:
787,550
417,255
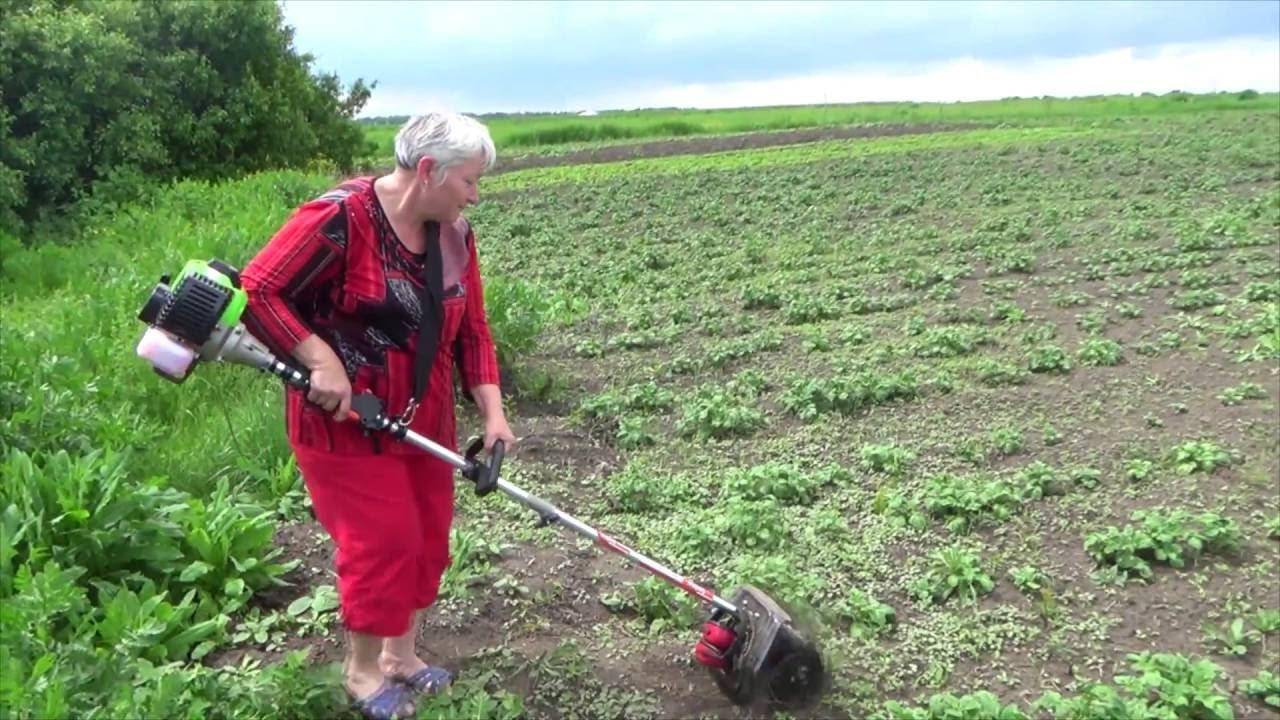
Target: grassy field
996,407
521,134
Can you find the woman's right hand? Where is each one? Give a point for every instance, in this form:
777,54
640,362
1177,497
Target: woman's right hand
330,389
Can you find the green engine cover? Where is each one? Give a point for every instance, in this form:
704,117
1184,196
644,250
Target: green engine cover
239,300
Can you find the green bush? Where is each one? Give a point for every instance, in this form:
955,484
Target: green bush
99,98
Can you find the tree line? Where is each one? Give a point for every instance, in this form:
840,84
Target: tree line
100,98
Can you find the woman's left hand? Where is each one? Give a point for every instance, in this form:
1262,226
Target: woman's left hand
497,429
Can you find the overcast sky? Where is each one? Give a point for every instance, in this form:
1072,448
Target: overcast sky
481,57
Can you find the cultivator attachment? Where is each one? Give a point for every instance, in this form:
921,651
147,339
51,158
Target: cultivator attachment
758,654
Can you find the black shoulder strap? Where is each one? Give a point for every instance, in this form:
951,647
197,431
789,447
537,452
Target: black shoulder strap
431,300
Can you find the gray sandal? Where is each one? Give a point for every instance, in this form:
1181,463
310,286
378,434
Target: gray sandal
429,680
392,701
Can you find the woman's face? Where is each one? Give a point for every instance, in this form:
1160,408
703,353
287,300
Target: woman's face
458,189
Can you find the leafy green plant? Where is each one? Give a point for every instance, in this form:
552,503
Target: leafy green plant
83,512
1100,352
265,629
901,509
1170,537
517,313
808,399
1028,578
229,548
1230,638
1176,685
753,524
470,553
640,488
889,459
1197,299
1139,469
981,705
1007,440
662,605
634,433
314,612
1048,359
470,698
806,308
1129,310
1199,456
994,373
1266,621
1262,292
952,571
782,482
146,624
945,342
719,412
762,297
853,335
1086,477
1239,393
1036,480
1067,299
1051,435
965,501
814,340
972,451
868,617
1008,312
1264,686
1093,323
781,577
1096,701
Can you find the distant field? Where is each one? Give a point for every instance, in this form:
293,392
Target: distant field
532,133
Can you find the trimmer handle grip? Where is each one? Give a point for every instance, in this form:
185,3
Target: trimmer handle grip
484,476
292,376
300,380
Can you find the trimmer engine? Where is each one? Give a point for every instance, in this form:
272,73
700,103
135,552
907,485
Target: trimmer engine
199,319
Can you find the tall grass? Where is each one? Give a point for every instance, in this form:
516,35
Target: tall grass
71,381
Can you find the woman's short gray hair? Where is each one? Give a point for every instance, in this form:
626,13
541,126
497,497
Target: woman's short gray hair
449,138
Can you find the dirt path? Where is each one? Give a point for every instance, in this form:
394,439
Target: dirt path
721,143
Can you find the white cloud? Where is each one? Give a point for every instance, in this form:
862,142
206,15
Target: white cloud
1202,67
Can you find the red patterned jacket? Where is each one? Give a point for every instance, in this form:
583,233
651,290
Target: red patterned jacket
337,269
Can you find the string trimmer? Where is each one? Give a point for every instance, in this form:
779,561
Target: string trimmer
749,643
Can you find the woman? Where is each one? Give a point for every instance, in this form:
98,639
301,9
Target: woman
345,286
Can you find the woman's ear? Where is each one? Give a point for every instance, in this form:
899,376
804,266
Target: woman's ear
426,169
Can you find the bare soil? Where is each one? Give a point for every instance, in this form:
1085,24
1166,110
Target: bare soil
722,143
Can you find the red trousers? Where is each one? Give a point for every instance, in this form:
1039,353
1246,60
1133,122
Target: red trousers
389,516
